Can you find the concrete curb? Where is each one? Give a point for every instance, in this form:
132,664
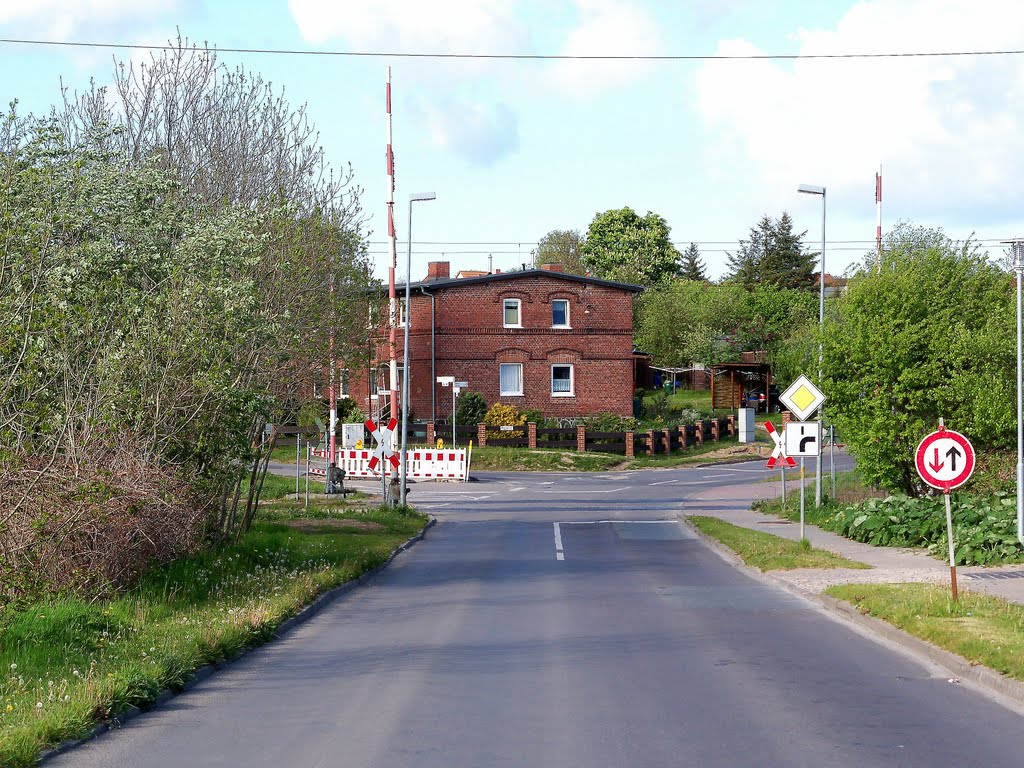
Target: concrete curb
957,666
202,673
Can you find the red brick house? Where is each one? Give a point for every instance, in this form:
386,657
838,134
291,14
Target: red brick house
537,339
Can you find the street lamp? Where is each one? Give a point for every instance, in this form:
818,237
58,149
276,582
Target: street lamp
1017,249
403,470
811,189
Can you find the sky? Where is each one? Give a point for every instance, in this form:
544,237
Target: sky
515,148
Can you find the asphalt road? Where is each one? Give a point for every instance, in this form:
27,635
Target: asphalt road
614,638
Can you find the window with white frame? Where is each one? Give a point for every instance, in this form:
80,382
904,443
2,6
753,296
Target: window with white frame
400,309
511,375
511,316
560,313
561,381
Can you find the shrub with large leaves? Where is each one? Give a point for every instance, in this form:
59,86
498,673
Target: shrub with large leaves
928,336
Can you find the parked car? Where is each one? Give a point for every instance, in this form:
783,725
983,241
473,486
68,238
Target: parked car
756,399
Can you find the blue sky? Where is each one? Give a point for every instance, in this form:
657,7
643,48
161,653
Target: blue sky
516,148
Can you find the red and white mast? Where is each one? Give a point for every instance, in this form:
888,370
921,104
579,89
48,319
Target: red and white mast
393,251
878,225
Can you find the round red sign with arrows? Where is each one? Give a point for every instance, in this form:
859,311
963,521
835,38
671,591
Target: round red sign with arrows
945,459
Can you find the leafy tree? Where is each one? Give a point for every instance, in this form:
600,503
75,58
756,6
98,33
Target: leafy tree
471,408
772,318
238,146
624,246
929,336
685,322
692,265
773,255
562,246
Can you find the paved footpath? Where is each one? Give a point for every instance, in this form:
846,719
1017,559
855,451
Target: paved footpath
891,564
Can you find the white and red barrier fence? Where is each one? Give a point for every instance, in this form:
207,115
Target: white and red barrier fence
423,463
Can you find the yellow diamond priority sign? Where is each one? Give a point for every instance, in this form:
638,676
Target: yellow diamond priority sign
802,398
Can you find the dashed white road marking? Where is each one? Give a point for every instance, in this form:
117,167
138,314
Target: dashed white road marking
559,554
664,482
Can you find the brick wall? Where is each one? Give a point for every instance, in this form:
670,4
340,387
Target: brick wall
472,342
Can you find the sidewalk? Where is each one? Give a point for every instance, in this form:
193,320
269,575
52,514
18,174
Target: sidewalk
891,564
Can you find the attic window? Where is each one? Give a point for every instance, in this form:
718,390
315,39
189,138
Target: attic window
511,317
560,313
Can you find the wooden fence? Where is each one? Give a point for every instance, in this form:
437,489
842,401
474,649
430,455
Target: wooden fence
630,444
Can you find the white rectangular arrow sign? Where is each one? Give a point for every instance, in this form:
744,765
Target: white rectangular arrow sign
803,438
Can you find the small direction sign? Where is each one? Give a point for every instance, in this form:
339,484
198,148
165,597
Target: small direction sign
779,451
802,398
803,438
945,459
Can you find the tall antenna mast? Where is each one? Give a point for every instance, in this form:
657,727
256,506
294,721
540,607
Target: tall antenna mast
393,251
878,226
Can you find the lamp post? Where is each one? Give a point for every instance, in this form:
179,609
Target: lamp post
811,189
403,470
1017,249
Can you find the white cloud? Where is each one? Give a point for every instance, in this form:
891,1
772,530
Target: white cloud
63,19
947,128
480,134
607,28
440,26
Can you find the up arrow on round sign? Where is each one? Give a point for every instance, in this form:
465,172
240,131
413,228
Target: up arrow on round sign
945,459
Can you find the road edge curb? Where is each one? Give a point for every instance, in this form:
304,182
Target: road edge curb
958,666
306,613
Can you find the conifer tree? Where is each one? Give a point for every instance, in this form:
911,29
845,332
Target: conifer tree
692,264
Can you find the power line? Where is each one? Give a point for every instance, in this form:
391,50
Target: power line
523,56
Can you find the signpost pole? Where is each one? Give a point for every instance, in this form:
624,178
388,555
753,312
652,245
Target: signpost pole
298,449
783,483
949,535
802,493
832,458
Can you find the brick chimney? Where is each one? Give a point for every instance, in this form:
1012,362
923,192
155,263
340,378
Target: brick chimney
552,267
438,270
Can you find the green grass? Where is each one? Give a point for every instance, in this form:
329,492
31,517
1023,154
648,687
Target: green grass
506,459
66,664
767,552
982,629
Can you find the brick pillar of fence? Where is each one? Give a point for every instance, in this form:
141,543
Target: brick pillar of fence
431,437
481,435
699,433
581,438
731,422
629,445
531,431
682,437
715,427
650,441
786,417
666,440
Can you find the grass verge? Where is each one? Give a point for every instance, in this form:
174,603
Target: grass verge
506,459
767,552
982,629
67,664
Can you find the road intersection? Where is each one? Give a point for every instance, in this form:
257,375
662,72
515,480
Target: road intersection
640,646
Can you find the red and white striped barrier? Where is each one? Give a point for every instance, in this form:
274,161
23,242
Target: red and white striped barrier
423,464
433,464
